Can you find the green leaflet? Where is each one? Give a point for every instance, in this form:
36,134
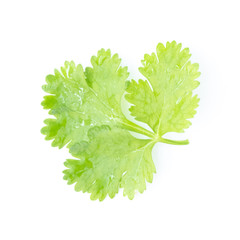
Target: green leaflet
170,103
112,159
80,102
88,119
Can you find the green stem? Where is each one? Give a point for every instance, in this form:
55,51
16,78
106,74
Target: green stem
174,142
128,125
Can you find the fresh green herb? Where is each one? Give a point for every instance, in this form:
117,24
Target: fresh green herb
90,122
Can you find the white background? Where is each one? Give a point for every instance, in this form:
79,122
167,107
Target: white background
196,191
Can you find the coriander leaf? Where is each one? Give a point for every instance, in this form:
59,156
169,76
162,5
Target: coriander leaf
88,118
112,159
81,100
165,102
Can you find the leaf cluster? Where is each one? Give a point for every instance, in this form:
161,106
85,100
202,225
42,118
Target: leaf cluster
89,121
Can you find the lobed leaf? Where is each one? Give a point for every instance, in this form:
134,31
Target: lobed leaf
87,117
166,101
113,159
81,100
